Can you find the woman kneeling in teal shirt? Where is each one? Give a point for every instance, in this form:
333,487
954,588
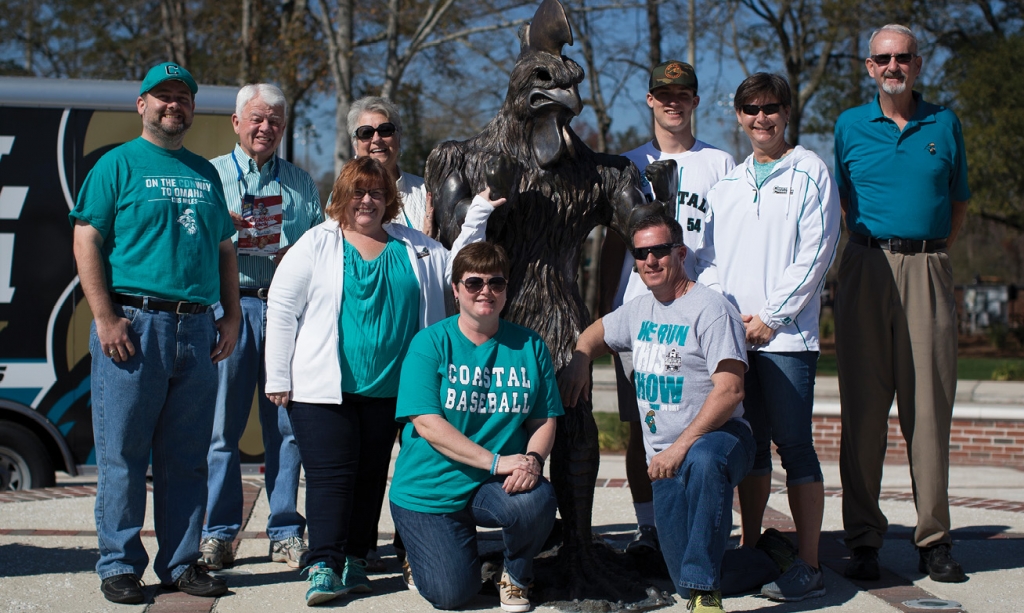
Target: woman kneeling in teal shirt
479,399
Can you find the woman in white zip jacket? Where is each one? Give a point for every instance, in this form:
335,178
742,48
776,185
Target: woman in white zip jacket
343,306
770,238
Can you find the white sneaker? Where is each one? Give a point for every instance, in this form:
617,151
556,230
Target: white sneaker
514,599
407,576
292,551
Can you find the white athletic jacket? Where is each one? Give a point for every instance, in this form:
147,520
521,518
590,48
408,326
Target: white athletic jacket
305,301
771,247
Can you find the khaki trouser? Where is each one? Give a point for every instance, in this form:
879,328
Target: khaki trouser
895,334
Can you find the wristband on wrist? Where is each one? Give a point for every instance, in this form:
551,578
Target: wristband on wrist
538,457
494,464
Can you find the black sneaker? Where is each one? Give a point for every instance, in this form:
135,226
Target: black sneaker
779,548
197,582
123,589
939,564
645,541
863,564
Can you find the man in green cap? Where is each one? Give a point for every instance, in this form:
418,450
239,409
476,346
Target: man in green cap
672,98
152,239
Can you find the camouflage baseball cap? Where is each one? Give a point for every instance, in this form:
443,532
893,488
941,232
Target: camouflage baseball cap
673,72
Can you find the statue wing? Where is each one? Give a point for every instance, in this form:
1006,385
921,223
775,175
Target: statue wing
450,189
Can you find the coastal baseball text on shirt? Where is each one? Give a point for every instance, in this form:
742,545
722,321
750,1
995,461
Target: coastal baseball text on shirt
471,385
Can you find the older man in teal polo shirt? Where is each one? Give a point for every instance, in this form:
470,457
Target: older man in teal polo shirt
901,170
272,204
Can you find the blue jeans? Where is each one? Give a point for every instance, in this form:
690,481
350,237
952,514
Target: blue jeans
442,550
778,404
238,377
693,509
159,402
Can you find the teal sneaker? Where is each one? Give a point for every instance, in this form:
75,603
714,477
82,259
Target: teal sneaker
354,576
324,584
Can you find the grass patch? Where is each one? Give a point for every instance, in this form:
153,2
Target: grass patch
827,366
990,369
982,369
612,434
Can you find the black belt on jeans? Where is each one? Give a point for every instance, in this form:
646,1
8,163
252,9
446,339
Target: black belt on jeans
158,304
254,292
899,245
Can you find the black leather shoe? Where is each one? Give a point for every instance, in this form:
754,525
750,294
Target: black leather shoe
863,564
197,582
123,589
938,562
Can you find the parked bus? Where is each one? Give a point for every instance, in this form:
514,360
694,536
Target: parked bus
52,132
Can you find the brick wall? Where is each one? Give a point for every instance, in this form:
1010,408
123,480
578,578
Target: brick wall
977,442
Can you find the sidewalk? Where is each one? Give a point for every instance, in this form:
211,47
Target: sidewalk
48,546
48,550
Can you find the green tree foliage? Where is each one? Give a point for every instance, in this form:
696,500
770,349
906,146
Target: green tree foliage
800,33
987,89
81,38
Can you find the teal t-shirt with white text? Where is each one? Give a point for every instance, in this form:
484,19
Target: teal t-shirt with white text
162,216
487,392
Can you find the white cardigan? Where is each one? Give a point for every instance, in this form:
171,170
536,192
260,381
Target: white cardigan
767,249
305,301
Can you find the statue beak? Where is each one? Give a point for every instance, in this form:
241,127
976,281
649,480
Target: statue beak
569,98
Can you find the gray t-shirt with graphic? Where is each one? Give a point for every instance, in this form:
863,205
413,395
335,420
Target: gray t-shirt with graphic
676,347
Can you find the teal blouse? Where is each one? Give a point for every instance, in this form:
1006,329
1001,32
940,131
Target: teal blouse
762,170
379,316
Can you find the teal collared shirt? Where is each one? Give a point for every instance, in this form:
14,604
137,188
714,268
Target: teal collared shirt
300,204
900,184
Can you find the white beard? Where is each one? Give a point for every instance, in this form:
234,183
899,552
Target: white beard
894,90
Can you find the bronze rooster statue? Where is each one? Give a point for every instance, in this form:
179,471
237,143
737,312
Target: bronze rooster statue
558,190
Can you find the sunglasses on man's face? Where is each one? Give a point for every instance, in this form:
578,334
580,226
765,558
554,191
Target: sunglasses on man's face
659,251
475,284
754,109
883,59
366,132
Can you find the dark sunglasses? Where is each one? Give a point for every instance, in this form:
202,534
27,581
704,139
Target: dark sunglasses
883,59
754,109
366,132
475,284
659,251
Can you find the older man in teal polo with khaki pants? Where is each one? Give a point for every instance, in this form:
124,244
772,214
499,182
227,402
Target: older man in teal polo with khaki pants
901,170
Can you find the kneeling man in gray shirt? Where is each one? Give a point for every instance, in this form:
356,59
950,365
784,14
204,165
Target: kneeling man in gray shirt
689,356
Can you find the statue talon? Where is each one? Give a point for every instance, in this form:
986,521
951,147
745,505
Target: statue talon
664,179
498,176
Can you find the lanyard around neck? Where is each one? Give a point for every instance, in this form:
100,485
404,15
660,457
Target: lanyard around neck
243,189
